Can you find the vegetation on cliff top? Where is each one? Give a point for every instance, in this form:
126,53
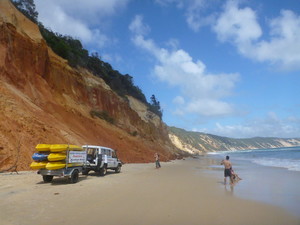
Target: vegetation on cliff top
72,50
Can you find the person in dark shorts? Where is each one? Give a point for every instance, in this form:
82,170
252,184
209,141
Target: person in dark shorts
157,163
227,170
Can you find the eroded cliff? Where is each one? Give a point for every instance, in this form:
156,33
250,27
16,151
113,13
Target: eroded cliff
44,100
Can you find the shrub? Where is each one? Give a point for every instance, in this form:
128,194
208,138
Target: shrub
102,115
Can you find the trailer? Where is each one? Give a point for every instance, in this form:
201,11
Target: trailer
69,167
64,160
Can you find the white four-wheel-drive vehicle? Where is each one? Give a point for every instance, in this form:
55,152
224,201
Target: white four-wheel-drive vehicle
100,159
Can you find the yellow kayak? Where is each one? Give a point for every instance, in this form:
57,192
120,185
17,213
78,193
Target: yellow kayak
64,147
38,165
43,147
56,156
60,165
55,165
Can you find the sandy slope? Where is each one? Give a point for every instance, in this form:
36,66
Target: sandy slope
178,193
44,100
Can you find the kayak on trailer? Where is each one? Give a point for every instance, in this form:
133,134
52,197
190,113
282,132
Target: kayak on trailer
60,165
38,156
56,156
38,165
64,147
42,147
55,165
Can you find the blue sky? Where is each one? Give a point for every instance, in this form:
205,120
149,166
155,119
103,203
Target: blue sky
230,68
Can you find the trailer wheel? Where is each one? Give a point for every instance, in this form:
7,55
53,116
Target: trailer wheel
118,169
74,177
103,171
47,178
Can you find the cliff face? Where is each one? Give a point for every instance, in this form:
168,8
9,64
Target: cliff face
196,142
44,100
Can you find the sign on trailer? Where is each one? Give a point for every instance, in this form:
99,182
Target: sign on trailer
77,157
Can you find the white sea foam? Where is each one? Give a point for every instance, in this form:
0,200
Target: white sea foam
289,164
219,152
213,153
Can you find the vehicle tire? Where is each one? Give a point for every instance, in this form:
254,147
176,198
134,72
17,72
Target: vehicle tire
47,178
103,170
85,171
74,177
118,169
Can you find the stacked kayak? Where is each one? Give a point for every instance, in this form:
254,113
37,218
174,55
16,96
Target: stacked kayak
53,157
40,158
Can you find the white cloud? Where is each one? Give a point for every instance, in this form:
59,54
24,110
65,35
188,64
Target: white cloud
195,21
203,92
195,14
209,107
179,100
138,27
237,25
240,27
173,43
77,18
93,11
283,47
195,11
179,3
269,126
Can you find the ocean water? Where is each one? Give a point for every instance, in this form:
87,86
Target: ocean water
287,158
268,175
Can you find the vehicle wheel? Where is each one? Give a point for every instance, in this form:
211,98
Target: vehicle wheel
118,169
103,171
85,171
74,177
47,178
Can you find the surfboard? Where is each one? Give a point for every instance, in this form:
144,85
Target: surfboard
56,156
64,147
43,147
38,165
40,156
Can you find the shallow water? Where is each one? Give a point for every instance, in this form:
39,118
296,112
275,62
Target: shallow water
266,182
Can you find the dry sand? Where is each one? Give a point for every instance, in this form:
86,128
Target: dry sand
178,193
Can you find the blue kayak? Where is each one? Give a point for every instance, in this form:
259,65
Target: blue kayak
38,156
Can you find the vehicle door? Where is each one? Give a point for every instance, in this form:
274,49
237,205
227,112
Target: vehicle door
110,161
104,155
92,155
115,159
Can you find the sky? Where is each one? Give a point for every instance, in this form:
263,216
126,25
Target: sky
224,67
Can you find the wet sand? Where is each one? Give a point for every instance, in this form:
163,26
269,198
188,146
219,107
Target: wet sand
181,192
272,185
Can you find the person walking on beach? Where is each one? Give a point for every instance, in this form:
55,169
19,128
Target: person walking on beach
227,169
157,163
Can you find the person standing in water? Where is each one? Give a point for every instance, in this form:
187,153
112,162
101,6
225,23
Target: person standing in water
227,169
157,163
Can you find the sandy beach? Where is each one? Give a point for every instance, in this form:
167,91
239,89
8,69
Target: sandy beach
181,192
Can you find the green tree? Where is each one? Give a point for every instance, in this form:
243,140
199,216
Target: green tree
27,7
155,106
72,50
